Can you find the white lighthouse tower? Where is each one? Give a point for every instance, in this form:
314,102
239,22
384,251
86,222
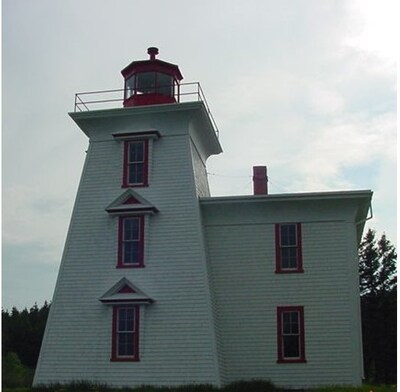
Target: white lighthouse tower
132,302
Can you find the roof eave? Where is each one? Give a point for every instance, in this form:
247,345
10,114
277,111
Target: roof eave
328,195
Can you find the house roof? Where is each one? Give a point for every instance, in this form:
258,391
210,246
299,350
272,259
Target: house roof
362,194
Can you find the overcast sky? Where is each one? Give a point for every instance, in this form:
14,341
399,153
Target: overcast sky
306,87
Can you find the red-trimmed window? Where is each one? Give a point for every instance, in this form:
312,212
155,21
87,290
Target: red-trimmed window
290,322
135,163
130,242
288,247
125,333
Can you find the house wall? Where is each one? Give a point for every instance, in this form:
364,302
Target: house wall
177,342
246,291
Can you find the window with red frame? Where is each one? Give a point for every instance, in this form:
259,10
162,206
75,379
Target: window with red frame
290,320
135,163
131,242
125,333
288,247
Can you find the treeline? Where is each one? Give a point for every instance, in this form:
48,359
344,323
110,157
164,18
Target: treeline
378,289
22,336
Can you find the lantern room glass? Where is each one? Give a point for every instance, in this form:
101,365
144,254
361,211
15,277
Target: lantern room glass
165,84
150,83
146,83
130,86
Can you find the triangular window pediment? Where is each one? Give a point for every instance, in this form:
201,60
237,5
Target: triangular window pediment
130,203
131,200
125,292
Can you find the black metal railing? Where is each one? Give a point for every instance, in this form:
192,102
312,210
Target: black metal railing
109,99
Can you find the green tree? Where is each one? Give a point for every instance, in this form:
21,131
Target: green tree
368,264
14,373
22,333
387,278
378,289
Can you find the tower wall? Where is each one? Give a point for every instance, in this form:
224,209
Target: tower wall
177,343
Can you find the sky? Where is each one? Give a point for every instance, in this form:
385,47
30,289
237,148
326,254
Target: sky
305,87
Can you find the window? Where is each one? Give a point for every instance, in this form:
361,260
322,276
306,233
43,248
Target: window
130,86
146,82
288,247
130,242
165,84
152,83
135,163
290,322
125,333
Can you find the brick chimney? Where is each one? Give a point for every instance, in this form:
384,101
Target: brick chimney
260,180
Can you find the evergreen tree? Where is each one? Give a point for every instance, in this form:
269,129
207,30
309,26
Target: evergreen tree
368,264
378,289
387,278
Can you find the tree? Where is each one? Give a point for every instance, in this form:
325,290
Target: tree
14,373
368,264
387,278
23,331
378,289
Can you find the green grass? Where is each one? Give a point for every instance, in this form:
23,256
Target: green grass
17,389
242,386
364,388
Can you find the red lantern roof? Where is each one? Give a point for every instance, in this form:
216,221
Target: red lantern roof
152,65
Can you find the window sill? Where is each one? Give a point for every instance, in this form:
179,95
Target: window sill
297,271
301,360
134,185
130,266
135,359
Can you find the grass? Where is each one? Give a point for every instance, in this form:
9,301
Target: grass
241,386
364,388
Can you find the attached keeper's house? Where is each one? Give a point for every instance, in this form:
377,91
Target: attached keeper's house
162,284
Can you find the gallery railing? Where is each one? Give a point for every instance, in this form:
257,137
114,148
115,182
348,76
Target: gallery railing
111,99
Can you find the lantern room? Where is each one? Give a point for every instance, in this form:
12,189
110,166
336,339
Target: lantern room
151,82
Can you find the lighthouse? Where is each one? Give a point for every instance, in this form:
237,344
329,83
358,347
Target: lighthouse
161,283
132,301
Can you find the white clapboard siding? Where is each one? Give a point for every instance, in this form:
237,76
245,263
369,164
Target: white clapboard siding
209,267
246,291
200,172
177,343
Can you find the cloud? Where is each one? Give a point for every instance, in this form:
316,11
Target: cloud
375,28
27,277
350,141
35,221
310,118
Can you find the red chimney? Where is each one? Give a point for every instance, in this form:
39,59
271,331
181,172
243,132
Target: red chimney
260,180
